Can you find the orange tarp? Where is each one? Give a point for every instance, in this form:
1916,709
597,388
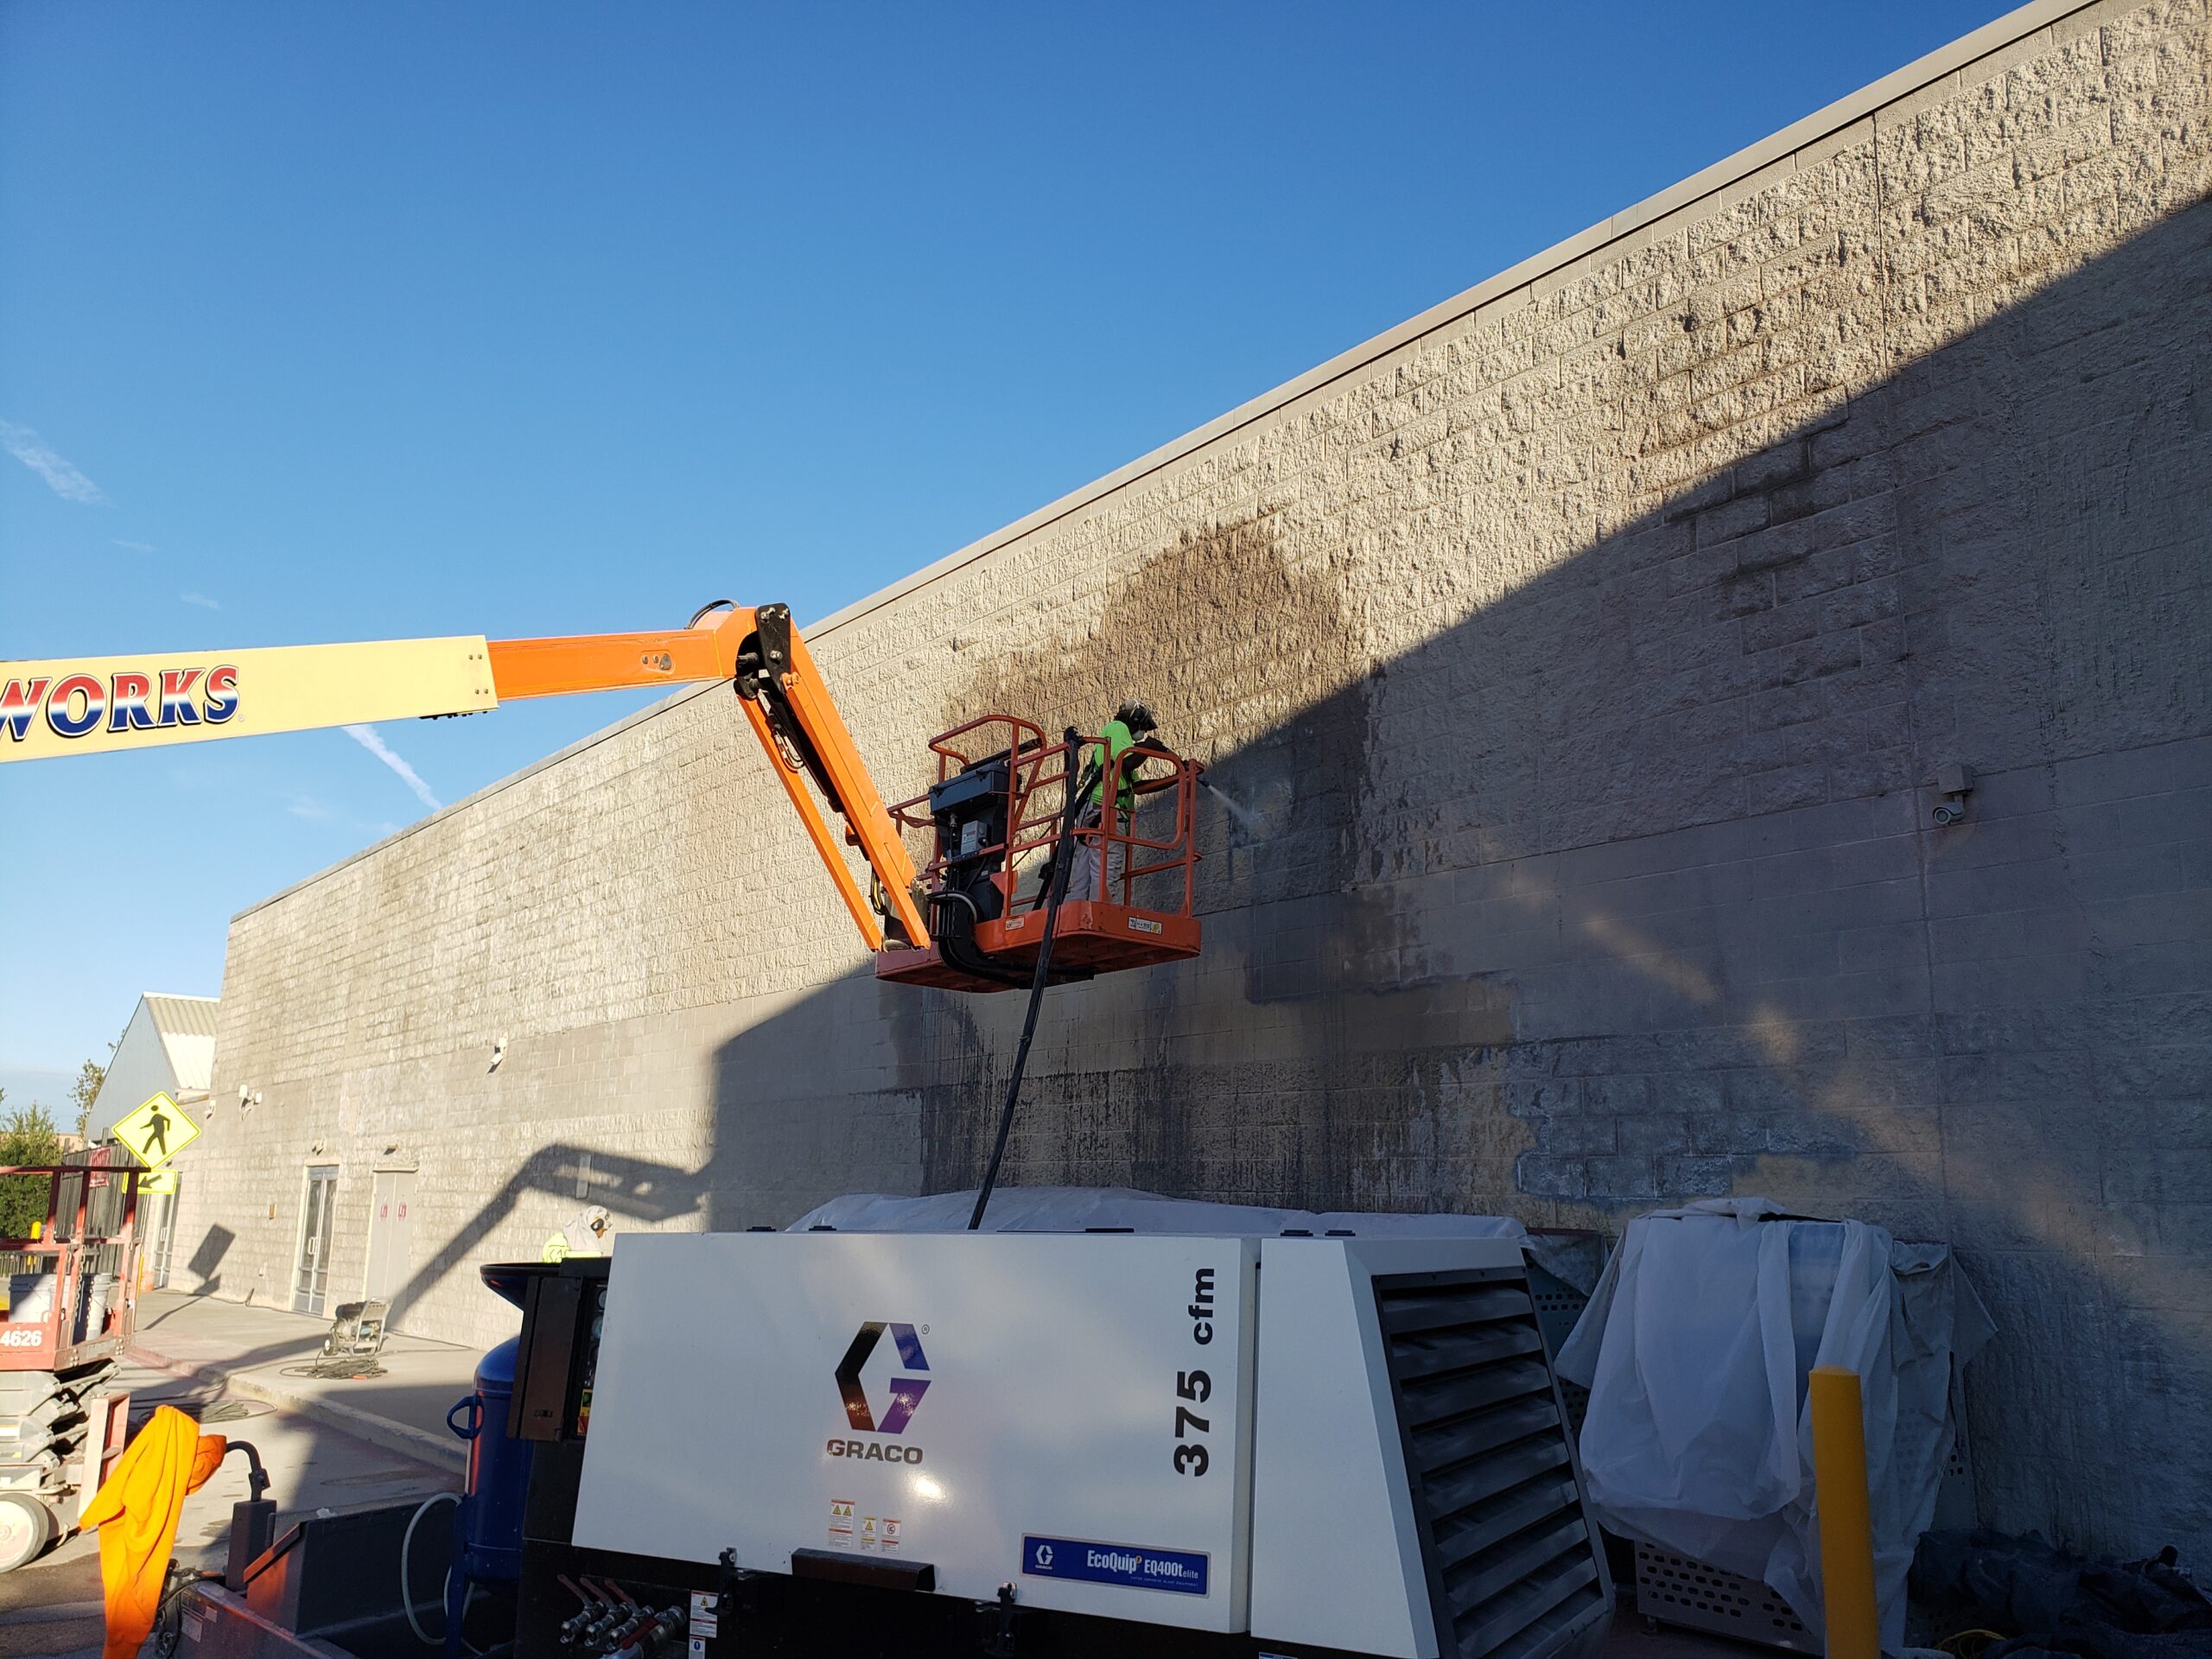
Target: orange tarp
136,1514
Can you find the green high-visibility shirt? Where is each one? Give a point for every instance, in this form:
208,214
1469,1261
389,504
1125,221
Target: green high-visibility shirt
557,1248
1119,742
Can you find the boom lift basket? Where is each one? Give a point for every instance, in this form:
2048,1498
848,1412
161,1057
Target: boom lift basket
994,815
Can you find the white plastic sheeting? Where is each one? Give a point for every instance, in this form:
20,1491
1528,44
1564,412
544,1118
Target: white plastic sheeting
1072,1208
1696,1349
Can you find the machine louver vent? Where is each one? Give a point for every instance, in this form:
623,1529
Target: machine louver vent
1514,1570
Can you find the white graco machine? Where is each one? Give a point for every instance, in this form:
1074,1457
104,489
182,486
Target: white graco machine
1293,1445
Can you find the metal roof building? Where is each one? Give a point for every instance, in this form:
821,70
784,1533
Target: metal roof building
168,1047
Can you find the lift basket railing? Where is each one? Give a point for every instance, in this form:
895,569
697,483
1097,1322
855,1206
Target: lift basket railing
1038,774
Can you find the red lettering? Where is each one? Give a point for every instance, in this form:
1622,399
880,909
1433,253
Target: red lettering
128,695
222,694
66,720
19,701
177,707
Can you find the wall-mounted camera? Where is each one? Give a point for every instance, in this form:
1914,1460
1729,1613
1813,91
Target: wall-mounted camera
1952,783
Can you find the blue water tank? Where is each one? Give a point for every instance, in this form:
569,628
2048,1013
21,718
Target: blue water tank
499,1473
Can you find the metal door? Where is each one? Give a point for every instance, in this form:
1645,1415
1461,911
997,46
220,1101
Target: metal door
391,1232
313,1271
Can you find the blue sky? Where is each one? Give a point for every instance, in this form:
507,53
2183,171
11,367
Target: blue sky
358,321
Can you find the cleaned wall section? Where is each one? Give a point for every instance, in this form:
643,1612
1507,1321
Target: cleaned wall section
1581,653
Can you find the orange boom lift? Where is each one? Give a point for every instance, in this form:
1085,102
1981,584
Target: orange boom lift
1002,811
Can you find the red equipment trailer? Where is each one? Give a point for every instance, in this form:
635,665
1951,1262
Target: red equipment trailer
72,1291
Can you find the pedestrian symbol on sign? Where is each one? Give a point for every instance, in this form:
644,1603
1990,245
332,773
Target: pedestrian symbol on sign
156,1131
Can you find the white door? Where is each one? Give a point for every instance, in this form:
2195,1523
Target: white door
391,1233
313,1272
157,1220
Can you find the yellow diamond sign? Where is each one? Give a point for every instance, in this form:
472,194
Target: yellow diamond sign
157,1131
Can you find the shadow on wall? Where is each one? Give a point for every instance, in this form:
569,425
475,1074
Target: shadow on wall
631,1189
1622,890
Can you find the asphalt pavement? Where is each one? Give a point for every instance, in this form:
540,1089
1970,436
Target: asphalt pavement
51,1608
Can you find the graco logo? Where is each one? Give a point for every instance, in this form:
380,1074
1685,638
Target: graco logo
905,1391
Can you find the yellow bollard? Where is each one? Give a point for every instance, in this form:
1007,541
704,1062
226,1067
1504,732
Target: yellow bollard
1854,1625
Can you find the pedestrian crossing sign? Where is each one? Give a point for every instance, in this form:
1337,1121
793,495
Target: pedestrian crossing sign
156,1131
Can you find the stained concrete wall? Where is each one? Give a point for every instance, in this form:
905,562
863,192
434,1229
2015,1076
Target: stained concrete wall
1581,651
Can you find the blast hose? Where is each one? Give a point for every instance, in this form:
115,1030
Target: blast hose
1062,850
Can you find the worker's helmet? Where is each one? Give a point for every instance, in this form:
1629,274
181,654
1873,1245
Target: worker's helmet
597,1219
1137,717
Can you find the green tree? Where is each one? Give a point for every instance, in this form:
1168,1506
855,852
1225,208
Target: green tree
28,1135
89,1076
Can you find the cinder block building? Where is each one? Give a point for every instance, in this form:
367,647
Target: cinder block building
1587,651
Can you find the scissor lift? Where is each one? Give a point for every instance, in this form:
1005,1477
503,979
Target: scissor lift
73,1289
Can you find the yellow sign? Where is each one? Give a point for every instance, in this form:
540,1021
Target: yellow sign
157,1131
82,705
157,1183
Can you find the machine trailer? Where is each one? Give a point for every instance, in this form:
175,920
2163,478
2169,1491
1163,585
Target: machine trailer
1049,1446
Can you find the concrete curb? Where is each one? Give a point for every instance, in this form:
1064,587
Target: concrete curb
403,1438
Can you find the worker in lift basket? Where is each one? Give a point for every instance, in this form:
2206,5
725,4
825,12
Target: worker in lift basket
586,1234
1128,738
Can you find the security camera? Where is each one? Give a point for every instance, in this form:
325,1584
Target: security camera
1953,782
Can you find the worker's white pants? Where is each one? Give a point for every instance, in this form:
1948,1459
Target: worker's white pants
1083,874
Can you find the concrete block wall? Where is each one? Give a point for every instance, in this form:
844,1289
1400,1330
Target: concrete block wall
1580,653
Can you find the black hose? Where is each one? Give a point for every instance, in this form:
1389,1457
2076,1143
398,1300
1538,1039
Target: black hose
1062,850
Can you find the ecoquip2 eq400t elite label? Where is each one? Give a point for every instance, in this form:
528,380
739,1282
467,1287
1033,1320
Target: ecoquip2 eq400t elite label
1181,1571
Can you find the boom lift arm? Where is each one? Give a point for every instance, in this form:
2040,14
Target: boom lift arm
80,706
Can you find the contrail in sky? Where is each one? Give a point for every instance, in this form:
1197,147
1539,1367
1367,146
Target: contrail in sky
367,738
60,477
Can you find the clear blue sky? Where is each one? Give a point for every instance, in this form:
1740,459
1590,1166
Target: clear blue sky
360,320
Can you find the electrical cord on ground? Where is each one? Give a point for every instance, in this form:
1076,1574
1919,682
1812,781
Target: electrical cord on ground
1063,858
406,1556
337,1368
